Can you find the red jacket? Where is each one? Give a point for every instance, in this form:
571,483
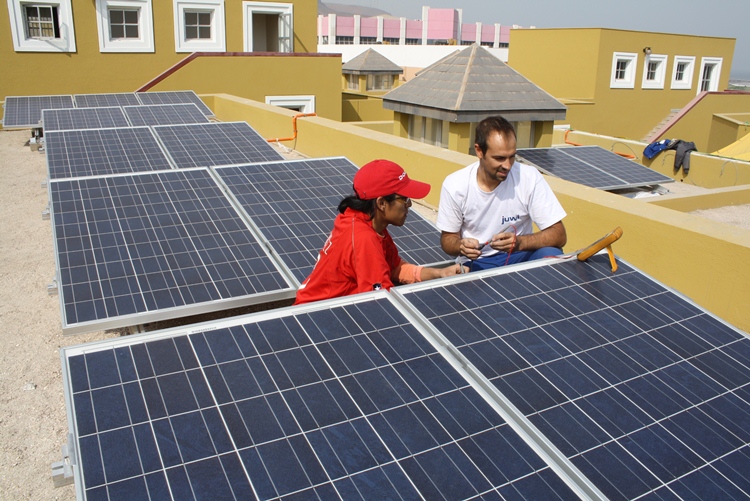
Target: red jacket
355,258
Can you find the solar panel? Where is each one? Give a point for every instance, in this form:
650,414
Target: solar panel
338,401
174,97
165,114
100,100
221,143
592,166
138,248
74,153
83,118
294,204
644,392
24,112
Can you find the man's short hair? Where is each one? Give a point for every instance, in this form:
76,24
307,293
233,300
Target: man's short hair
489,125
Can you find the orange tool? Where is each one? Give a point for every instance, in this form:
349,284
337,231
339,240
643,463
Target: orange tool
606,241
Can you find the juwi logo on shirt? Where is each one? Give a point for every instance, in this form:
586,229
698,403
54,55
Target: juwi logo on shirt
510,219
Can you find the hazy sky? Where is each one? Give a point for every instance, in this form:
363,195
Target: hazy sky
719,18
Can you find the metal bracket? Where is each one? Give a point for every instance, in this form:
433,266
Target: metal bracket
62,471
52,289
45,214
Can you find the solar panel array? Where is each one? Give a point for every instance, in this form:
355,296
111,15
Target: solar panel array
174,97
347,402
24,112
294,204
164,114
641,390
74,153
592,166
137,248
548,381
83,118
99,100
220,143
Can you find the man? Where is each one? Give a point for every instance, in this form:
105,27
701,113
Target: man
486,209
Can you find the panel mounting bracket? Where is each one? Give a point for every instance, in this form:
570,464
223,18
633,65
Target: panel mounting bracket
52,288
62,471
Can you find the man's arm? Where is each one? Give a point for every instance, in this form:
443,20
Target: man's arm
554,236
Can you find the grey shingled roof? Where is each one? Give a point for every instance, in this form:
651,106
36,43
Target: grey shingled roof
469,85
371,61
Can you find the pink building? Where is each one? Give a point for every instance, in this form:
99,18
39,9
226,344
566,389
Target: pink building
437,27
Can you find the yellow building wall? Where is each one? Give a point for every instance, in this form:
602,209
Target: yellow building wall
576,64
283,75
358,107
708,131
669,245
89,71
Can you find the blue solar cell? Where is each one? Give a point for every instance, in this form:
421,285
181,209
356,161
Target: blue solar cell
24,112
211,144
624,376
592,166
173,97
76,153
147,243
320,410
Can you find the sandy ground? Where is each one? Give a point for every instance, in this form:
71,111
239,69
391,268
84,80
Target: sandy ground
33,423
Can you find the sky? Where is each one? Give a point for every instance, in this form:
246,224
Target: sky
718,18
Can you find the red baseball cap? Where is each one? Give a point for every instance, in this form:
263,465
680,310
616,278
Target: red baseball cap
381,178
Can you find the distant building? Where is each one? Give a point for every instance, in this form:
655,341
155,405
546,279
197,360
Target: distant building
370,72
437,27
443,104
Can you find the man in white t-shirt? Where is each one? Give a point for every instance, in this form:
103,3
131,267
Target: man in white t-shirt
486,209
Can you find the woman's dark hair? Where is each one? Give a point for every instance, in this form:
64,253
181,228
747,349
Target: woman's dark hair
367,206
490,125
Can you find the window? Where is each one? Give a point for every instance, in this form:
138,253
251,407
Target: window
368,40
341,40
413,41
44,26
428,130
682,73
125,25
710,74
654,70
379,82
352,82
269,27
623,70
199,25
391,41
301,104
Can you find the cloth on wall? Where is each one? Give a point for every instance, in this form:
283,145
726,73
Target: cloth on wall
682,151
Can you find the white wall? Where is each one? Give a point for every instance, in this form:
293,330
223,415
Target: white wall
410,56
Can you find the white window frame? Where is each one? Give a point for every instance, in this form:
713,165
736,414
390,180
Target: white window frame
629,81
306,104
661,71
282,10
687,80
67,40
145,40
715,76
217,42
352,82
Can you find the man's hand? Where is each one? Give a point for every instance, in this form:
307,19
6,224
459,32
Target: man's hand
504,242
470,247
455,269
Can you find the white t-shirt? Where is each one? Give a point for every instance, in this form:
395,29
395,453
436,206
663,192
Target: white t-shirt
524,197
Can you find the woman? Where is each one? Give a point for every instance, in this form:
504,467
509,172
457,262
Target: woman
359,255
